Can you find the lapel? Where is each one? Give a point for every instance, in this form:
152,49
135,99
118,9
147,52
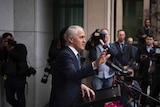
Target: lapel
74,57
118,47
125,47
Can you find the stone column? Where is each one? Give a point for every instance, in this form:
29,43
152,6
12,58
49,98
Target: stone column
155,18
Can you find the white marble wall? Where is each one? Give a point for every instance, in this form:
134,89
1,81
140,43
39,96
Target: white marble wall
6,17
6,25
31,23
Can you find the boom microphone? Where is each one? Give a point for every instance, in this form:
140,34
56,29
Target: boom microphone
120,71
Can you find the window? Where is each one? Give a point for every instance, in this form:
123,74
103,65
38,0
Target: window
132,16
67,12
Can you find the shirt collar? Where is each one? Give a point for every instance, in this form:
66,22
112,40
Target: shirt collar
121,42
74,50
149,47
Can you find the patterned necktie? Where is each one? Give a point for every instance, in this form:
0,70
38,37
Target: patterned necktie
122,47
79,60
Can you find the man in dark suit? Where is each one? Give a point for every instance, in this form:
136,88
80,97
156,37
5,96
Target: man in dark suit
134,48
143,31
146,62
124,58
68,73
135,53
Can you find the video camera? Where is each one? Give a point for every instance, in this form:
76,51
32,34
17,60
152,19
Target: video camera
94,39
97,35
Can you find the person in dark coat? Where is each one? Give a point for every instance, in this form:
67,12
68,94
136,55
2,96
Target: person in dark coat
14,68
146,68
124,58
143,31
68,72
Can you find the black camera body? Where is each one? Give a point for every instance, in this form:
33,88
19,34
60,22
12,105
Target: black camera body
47,71
11,42
31,71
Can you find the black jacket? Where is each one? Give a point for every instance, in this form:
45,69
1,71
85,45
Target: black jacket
144,64
14,61
141,31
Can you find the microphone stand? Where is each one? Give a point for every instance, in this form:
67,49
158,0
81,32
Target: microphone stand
121,72
132,88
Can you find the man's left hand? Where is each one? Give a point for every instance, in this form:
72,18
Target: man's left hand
87,90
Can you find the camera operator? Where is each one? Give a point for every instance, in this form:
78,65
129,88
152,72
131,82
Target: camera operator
14,69
124,59
146,60
105,76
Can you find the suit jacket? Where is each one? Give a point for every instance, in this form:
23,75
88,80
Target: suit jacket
67,79
127,53
144,64
15,63
111,50
141,31
135,51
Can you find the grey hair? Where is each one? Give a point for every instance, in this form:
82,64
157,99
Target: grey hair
104,29
72,30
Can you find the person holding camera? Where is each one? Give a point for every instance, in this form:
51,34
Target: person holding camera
14,68
146,66
105,76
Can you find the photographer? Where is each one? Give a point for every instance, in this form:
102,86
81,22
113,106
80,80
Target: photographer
55,48
146,60
14,69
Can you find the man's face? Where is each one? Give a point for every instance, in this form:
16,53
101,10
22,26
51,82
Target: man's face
5,41
130,40
107,36
147,23
149,40
79,40
121,36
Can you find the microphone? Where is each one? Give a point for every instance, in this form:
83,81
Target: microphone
121,71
